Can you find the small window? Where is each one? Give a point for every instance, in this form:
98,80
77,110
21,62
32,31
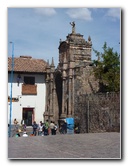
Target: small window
29,80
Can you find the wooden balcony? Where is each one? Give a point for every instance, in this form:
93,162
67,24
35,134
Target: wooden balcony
28,89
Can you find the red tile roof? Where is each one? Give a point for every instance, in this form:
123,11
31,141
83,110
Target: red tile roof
27,64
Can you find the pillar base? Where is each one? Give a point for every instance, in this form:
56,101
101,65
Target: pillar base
69,116
63,116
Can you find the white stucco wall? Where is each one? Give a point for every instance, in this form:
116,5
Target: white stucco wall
27,101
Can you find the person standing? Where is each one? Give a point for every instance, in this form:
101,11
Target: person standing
52,127
40,128
15,124
35,126
64,128
55,129
46,127
23,125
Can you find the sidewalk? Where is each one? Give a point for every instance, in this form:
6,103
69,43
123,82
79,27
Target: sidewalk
68,146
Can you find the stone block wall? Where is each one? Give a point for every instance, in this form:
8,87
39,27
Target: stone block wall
85,82
98,112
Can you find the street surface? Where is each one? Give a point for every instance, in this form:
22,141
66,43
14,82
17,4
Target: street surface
68,146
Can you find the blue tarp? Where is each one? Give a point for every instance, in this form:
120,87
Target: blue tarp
70,127
70,121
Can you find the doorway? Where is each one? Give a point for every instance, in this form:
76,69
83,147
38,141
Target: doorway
28,115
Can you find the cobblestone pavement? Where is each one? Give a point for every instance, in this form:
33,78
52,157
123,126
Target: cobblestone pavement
68,146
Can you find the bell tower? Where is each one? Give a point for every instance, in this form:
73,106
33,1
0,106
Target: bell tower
73,52
70,78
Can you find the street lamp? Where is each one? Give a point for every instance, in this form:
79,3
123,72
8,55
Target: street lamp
11,89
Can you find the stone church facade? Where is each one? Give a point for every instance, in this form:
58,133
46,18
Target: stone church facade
72,77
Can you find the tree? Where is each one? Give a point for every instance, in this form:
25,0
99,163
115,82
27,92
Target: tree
107,69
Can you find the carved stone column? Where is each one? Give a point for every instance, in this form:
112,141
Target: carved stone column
53,102
46,98
73,94
69,97
63,115
70,91
46,113
51,99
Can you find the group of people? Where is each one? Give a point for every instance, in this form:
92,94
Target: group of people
21,128
16,126
24,134
41,129
44,128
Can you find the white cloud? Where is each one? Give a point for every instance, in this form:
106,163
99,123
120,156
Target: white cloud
80,13
45,11
114,13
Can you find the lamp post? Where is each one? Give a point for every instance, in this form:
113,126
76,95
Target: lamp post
10,125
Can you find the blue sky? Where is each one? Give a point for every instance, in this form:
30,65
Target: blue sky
37,31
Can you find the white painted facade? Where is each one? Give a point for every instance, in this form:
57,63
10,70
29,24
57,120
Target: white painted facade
34,102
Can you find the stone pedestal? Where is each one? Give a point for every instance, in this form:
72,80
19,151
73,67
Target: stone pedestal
63,116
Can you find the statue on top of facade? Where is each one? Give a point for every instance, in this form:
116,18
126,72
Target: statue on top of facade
73,26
